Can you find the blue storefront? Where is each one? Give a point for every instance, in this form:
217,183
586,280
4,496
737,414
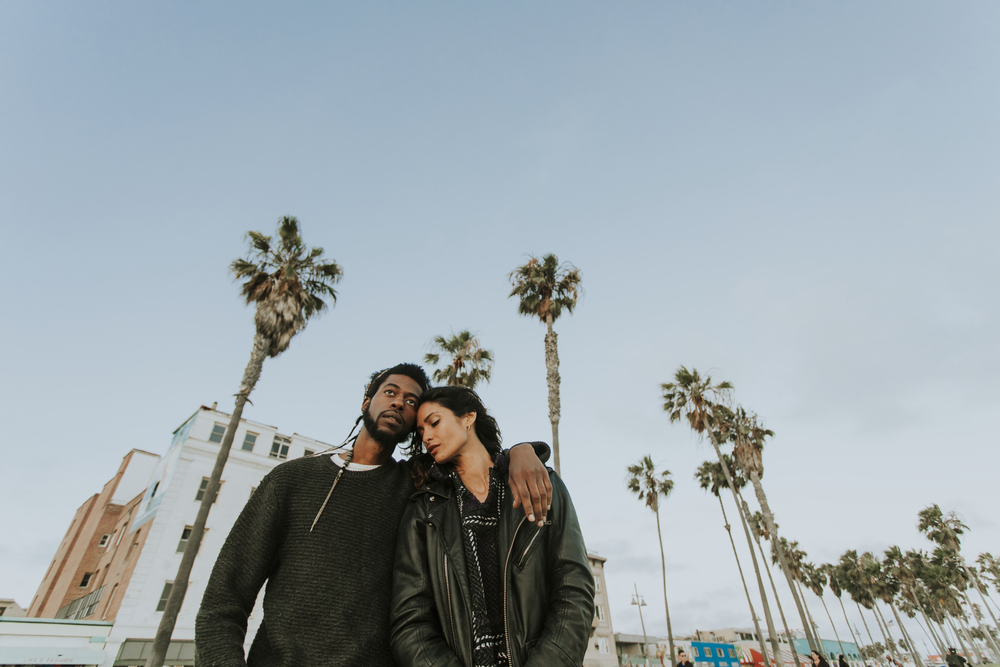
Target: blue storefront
705,654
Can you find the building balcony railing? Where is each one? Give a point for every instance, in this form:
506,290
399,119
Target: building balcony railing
81,607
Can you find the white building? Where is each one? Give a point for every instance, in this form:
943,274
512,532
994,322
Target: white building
170,505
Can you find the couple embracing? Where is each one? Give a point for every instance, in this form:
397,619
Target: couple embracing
422,562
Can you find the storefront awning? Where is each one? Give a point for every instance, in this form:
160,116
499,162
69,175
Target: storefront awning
15,655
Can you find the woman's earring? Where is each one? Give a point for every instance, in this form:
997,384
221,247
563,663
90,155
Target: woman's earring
468,427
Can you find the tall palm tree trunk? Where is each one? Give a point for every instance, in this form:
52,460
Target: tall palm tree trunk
989,636
931,635
177,592
812,622
880,620
835,633
881,659
927,621
958,636
972,640
857,646
772,636
552,379
663,562
753,614
917,661
774,589
938,640
782,561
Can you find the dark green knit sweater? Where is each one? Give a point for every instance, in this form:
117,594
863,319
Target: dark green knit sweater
327,597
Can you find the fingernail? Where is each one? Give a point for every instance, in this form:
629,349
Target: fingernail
531,517
549,507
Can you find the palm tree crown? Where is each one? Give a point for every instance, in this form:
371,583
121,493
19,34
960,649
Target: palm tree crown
545,287
287,281
469,362
647,484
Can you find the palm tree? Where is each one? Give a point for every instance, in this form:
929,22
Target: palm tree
944,530
851,577
710,478
469,362
700,402
748,436
888,587
649,485
545,288
833,581
759,530
796,559
288,282
815,580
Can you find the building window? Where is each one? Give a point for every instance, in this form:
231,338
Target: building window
600,612
104,540
185,536
597,584
86,579
308,453
162,604
694,651
249,440
204,485
121,533
218,430
720,653
279,449
732,653
602,644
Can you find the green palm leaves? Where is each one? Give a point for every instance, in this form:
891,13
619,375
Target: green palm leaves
545,287
648,484
287,281
467,363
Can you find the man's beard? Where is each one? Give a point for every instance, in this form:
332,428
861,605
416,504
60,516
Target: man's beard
384,438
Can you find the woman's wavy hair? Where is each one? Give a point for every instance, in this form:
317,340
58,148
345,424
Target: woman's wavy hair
461,401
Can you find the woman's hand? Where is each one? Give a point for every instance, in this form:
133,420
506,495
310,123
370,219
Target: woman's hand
529,483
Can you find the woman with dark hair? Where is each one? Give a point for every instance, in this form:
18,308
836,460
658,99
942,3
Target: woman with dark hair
842,662
476,585
818,659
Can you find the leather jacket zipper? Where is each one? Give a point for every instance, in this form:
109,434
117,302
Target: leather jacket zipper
447,588
506,569
524,554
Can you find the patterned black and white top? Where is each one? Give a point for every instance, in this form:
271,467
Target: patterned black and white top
480,534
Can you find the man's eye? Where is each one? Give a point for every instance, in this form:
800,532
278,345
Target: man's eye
411,402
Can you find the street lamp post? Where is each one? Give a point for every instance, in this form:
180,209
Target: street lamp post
639,602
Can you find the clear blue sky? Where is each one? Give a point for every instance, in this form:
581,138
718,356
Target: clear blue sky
802,198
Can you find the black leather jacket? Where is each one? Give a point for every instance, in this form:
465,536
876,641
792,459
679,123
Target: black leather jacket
548,586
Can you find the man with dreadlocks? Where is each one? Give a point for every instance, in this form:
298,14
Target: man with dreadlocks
321,531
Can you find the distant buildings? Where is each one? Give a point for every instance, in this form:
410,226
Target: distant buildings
11,609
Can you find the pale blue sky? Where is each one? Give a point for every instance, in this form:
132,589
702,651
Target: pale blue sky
801,197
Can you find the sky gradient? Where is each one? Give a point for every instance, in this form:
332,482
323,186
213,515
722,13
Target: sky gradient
800,198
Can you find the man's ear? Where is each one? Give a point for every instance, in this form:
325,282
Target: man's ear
364,404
